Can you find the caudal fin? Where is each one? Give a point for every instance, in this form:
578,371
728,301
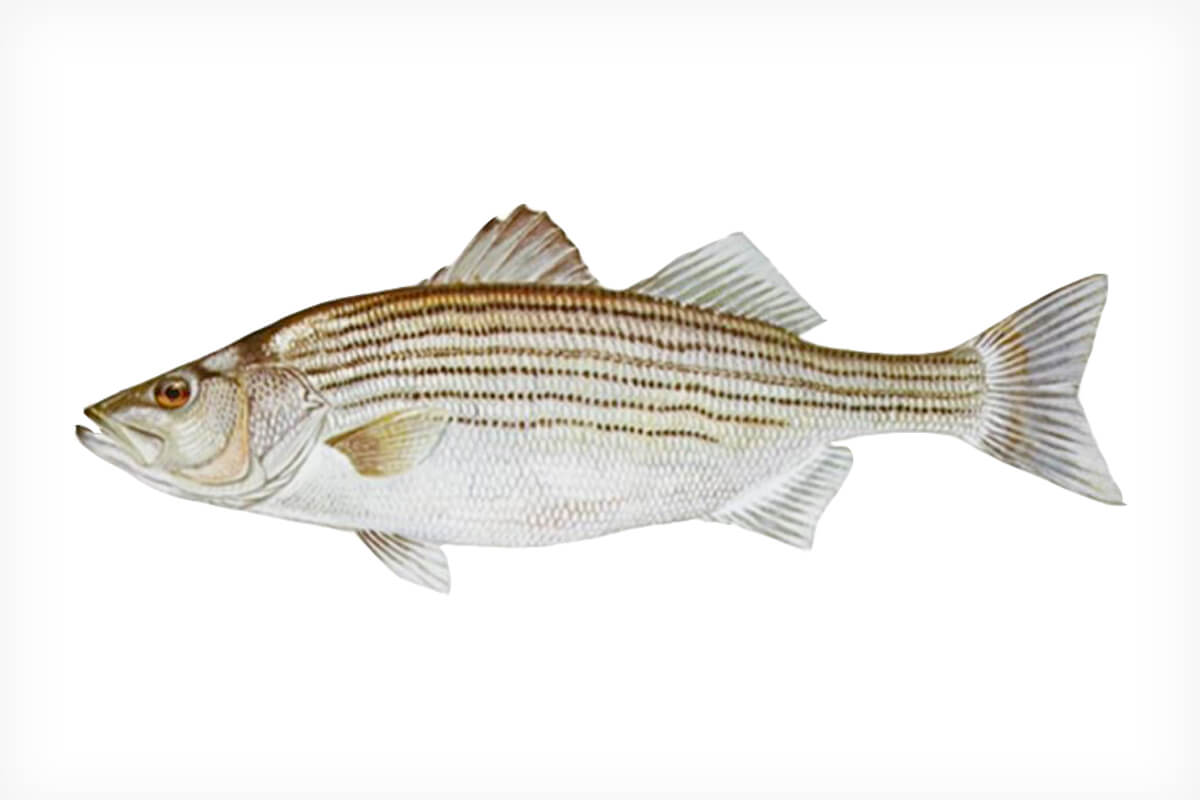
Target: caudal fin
1031,416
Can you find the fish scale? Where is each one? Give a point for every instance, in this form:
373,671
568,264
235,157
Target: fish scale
511,400
515,409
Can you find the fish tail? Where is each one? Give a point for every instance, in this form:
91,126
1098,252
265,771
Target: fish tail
1033,362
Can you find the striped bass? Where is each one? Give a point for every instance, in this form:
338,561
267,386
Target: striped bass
511,400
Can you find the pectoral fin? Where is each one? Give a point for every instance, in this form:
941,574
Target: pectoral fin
423,564
394,442
788,506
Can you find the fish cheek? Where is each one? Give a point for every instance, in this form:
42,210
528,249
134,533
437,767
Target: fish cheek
212,443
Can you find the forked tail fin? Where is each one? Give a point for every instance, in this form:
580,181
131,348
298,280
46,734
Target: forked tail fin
1033,362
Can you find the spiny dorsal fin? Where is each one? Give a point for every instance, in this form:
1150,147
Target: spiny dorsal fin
732,276
524,247
392,443
788,506
422,563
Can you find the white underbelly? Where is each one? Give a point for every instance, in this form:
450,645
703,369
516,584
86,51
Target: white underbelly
498,486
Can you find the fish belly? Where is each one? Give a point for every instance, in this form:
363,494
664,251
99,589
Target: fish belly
497,486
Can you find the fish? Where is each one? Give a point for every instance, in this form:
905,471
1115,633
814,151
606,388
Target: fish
511,400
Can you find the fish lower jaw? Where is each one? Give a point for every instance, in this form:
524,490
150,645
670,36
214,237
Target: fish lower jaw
118,443
103,446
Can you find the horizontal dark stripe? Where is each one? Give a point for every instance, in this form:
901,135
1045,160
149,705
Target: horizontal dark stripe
423,301
563,397
416,301
614,357
828,405
644,383
579,423
653,312
645,339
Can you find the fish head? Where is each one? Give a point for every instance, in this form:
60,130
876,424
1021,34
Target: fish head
213,430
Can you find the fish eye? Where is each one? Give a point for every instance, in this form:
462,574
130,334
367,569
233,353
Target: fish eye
172,392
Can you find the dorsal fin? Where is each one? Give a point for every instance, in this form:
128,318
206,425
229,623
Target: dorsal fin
732,276
524,247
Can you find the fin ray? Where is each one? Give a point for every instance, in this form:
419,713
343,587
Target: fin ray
420,562
733,276
394,442
524,247
787,507
1033,364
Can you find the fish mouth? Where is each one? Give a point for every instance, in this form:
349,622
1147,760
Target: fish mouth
120,444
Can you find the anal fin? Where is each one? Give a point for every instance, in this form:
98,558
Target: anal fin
787,506
422,563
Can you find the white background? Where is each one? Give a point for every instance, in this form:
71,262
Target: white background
176,175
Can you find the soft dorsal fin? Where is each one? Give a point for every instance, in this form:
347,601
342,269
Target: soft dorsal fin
422,563
732,276
787,506
392,443
524,247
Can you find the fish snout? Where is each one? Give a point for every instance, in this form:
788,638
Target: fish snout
141,445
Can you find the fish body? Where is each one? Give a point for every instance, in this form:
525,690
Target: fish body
575,411
510,400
